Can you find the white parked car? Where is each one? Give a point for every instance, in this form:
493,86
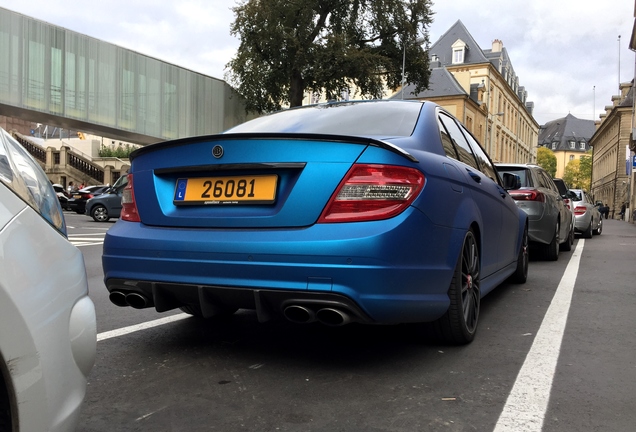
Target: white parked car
47,321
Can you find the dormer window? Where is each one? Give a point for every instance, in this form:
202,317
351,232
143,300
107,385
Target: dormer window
459,50
572,144
582,145
554,144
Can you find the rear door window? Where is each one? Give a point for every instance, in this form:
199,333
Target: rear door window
461,145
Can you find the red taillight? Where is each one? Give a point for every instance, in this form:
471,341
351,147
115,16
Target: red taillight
128,205
89,196
579,210
527,195
566,201
373,192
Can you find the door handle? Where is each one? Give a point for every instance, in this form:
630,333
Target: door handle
474,176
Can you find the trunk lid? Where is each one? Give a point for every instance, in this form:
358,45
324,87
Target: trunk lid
213,182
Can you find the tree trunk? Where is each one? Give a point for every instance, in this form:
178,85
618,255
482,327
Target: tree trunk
296,89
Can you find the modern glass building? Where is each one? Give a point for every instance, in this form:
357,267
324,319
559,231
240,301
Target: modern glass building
49,74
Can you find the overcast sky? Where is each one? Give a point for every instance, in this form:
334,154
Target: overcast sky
566,52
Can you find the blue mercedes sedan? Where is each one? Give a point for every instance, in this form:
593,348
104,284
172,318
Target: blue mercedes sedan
376,212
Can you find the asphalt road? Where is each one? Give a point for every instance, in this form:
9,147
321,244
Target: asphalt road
555,354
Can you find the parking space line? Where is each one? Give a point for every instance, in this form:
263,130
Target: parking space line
143,326
527,402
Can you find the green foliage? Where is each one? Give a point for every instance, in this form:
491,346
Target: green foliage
547,160
578,172
326,47
121,151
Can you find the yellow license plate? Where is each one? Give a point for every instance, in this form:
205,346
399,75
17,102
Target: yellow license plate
257,189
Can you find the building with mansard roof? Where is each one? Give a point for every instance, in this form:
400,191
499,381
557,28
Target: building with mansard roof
611,168
569,139
480,87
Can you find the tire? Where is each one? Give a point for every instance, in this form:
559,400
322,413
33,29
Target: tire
551,251
5,406
567,245
599,230
99,213
520,275
459,324
588,232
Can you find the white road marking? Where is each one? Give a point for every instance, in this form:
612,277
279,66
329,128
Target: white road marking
528,400
86,239
143,326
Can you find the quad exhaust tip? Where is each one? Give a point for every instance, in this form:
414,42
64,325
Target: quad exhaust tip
135,300
118,298
299,314
328,316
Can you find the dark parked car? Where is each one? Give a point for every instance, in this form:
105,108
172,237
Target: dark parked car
567,196
106,205
376,212
77,202
549,220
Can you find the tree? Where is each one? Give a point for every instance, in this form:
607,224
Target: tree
288,48
578,173
585,168
547,160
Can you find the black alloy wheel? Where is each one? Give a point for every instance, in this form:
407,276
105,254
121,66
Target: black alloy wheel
520,275
459,324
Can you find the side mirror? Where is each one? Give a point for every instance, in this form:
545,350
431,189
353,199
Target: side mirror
511,181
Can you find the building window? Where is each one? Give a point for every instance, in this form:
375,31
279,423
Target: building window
554,144
458,56
572,144
571,157
582,145
459,48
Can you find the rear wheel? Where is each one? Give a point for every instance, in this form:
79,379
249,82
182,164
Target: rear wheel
551,251
588,232
599,230
459,324
99,213
521,273
567,245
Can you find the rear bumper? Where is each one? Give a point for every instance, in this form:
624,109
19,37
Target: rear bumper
391,271
582,222
540,227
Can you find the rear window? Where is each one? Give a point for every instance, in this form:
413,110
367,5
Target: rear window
524,175
378,118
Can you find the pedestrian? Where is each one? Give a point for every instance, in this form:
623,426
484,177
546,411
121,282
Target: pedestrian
71,187
606,210
622,213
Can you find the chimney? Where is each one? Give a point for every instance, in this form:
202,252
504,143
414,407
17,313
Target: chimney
497,45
